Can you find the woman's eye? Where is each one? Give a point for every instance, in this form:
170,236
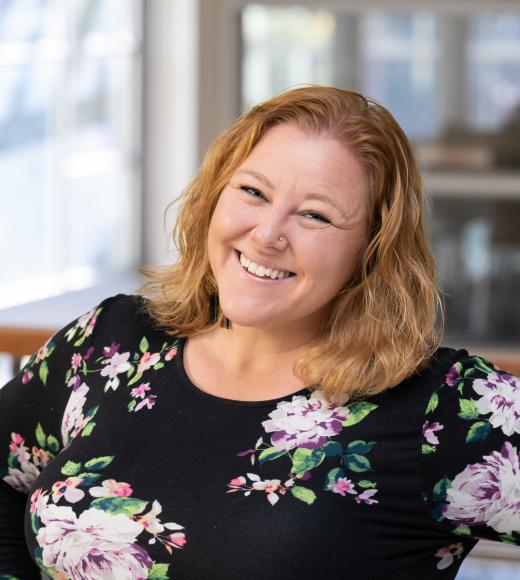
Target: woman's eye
317,217
252,191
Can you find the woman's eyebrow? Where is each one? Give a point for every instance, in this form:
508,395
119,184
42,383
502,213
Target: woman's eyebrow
260,176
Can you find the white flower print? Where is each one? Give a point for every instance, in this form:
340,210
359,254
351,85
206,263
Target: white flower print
500,396
115,365
22,479
488,492
304,422
73,420
95,545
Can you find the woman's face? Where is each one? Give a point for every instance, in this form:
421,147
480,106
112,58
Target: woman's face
287,231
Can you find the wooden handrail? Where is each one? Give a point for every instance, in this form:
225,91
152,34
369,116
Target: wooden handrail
23,341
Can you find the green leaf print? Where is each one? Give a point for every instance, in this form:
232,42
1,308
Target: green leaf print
366,484
8,577
128,506
333,475
462,531
478,431
483,366
132,405
303,494
357,412
87,430
88,478
306,459
508,539
137,376
158,572
40,436
440,489
359,446
432,403
53,444
99,462
144,345
356,462
43,373
158,366
332,448
468,409
426,448
71,468
270,454
91,412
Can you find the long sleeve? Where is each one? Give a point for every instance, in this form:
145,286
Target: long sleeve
32,406
471,453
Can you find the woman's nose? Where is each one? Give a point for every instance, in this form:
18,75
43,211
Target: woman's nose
270,233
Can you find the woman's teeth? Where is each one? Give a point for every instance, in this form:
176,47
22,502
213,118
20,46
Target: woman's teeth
261,271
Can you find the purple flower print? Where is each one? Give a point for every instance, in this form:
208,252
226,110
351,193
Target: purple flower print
453,376
428,431
500,396
94,545
304,422
366,497
488,492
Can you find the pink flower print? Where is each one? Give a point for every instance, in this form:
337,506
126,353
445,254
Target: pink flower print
428,431
40,458
111,488
171,353
342,486
140,391
39,500
237,481
178,540
76,361
148,360
366,497
16,441
68,489
42,353
27,376
90,326
270,486
448,554
148,402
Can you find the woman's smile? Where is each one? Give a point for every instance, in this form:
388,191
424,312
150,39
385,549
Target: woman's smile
287,230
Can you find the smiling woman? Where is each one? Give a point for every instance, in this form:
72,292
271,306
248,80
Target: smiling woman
282,387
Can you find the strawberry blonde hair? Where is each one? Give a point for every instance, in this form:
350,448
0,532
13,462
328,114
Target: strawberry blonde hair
388,321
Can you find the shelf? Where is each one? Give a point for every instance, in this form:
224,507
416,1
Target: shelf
497,185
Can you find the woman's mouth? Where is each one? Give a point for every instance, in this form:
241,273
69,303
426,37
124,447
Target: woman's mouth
263,271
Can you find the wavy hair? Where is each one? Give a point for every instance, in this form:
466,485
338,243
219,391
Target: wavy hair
388,320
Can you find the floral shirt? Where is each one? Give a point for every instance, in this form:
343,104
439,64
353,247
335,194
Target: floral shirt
114,465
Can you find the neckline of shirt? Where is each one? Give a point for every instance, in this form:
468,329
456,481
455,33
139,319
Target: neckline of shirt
197,391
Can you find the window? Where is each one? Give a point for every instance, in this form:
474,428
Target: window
69,143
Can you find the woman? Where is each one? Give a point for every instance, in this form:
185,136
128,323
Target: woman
279,406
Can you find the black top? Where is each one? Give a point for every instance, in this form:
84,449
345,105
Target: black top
134,472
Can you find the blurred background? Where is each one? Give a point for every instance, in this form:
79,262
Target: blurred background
106,107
